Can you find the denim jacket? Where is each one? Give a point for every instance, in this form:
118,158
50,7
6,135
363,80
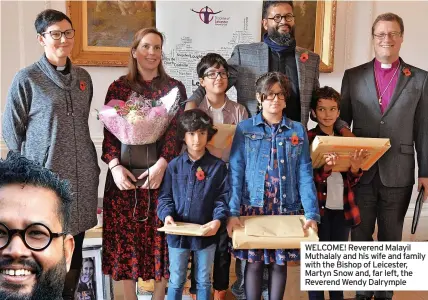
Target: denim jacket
249,158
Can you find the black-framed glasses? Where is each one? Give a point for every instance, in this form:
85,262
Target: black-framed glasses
36,236
214,75
271,96
391,35
277,18
57,34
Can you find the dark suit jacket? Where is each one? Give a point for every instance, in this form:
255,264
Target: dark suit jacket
404,122
249,61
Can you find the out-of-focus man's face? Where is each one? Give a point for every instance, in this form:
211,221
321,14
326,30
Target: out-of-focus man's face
24,273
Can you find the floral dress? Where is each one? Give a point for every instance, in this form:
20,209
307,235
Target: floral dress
271,206
133,249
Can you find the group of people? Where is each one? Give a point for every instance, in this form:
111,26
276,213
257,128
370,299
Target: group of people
269,171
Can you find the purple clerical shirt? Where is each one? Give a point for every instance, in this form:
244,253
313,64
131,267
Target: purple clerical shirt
382,77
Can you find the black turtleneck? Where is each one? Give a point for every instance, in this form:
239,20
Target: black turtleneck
285,62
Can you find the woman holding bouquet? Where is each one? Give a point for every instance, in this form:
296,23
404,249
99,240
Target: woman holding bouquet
132,247
270,174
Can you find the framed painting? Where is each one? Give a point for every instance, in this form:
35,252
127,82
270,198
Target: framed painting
316,29
105,29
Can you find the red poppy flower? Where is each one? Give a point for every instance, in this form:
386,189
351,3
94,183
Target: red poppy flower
200,174
82,85
304,57
294,140
406,72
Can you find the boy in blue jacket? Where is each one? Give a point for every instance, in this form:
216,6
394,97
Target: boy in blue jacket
195,190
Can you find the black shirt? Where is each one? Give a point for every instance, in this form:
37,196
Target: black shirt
285,62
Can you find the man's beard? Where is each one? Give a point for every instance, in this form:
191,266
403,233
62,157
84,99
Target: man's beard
283,39
48,286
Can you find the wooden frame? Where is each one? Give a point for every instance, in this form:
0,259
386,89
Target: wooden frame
325,33
82,54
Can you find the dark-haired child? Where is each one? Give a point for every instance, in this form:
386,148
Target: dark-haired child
194,190
213,73
338,209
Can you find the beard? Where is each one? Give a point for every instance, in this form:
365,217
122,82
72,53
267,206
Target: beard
283,39
48,286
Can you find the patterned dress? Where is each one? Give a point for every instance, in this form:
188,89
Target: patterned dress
133,249
271,206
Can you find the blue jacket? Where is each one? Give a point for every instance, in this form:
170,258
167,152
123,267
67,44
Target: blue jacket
187,199
249,158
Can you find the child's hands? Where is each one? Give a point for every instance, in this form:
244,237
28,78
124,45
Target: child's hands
233,222
330,161
213,225
357,158
311,224
169,221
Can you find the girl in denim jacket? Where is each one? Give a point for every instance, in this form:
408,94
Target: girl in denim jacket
270,174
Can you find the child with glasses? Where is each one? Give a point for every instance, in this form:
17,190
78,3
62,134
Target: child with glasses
213,73
195,190
270,173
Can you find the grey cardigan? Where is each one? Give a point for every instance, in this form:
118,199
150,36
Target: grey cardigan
46,119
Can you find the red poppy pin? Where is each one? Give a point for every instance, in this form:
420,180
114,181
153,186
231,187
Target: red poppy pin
200,174
304,57
82,85
406,72
294,139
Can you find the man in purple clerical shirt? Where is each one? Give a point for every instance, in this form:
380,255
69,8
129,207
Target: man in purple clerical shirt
387,98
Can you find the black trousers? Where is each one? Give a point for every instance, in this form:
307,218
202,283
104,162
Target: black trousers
333,228
387,206
221,265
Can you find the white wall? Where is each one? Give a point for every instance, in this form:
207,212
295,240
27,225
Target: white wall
19,47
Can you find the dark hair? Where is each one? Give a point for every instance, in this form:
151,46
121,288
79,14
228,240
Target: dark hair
133,75
195,119
17,169
211,60
325,92
389,17
48,17
265,82
268,4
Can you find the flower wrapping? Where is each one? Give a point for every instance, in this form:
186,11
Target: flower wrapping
138,120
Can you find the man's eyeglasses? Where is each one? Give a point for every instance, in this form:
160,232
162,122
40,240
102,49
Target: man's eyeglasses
36,237
271,96
391,35
214,75
57,34
278,18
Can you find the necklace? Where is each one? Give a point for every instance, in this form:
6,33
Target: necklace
387,86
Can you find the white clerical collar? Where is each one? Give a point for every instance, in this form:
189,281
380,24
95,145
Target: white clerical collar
58,68
386,66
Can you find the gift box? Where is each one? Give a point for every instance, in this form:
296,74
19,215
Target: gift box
221,142
343,147
272,232
182,228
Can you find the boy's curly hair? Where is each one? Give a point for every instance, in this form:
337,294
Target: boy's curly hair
195,119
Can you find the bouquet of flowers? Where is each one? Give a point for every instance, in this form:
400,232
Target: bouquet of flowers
139,121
